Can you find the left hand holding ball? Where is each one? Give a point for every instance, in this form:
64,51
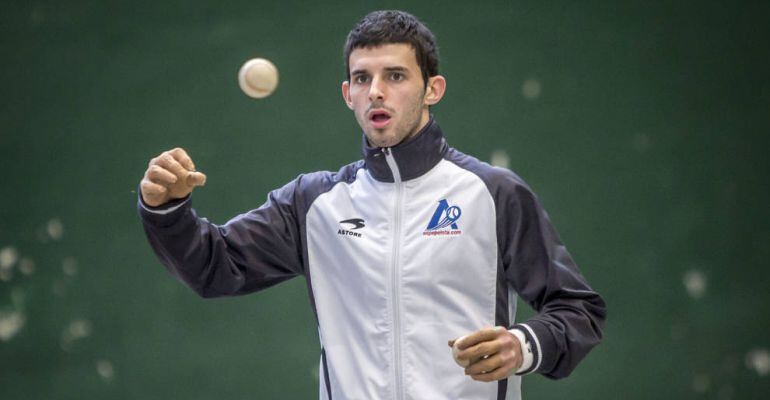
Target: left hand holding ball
489,354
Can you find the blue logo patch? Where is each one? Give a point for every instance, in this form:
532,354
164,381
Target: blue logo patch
444,216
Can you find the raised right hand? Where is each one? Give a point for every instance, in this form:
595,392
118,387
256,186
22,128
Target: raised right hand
171,175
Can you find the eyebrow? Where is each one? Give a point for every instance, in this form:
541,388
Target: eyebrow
387,69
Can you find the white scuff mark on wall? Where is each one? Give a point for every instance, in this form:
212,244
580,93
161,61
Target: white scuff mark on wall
499,158
8,257
531,89
76,330
695,283
55,229
26,266
105,370
70,266
11,323
758,360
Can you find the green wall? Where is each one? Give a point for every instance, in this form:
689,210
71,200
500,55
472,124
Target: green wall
641,125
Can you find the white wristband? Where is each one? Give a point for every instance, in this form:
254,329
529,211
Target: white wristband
526,350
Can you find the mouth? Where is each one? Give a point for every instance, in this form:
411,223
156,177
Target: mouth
379,118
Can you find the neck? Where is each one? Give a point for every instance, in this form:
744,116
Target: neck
424,118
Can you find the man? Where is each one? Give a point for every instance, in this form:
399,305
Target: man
413,245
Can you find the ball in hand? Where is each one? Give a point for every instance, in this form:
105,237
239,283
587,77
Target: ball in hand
456,350
258,78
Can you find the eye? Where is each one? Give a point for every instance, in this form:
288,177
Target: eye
397,76
360,79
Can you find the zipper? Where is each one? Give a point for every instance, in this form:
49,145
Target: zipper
395,271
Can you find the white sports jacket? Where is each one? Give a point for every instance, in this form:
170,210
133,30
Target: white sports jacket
412,246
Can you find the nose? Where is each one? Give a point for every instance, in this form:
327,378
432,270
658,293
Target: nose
376,90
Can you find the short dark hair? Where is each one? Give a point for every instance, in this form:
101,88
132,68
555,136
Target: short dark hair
391,27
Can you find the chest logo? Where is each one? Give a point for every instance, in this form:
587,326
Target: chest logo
444,220
349,225
355,223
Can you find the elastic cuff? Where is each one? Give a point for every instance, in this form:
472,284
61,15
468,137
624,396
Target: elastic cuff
164,209
534,346
164,216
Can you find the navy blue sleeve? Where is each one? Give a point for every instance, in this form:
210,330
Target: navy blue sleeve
570,314
251,252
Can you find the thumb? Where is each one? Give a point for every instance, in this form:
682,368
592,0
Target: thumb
195,179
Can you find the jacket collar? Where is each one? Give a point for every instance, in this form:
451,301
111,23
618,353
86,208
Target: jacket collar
414,157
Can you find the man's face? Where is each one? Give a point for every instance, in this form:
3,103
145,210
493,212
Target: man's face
387,94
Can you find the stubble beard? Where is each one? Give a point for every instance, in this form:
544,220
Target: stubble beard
406,130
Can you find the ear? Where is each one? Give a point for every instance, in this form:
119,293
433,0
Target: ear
435,90
346,94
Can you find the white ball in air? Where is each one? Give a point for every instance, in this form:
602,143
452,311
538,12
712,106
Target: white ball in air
258,78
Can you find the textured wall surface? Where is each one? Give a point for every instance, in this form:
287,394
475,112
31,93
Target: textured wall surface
643,127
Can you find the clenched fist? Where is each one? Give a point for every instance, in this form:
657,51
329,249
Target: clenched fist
171,175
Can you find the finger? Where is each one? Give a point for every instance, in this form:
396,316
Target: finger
181,156
491,376
474,338
484,365
195,179
152,193
159,175
480,351
168,162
